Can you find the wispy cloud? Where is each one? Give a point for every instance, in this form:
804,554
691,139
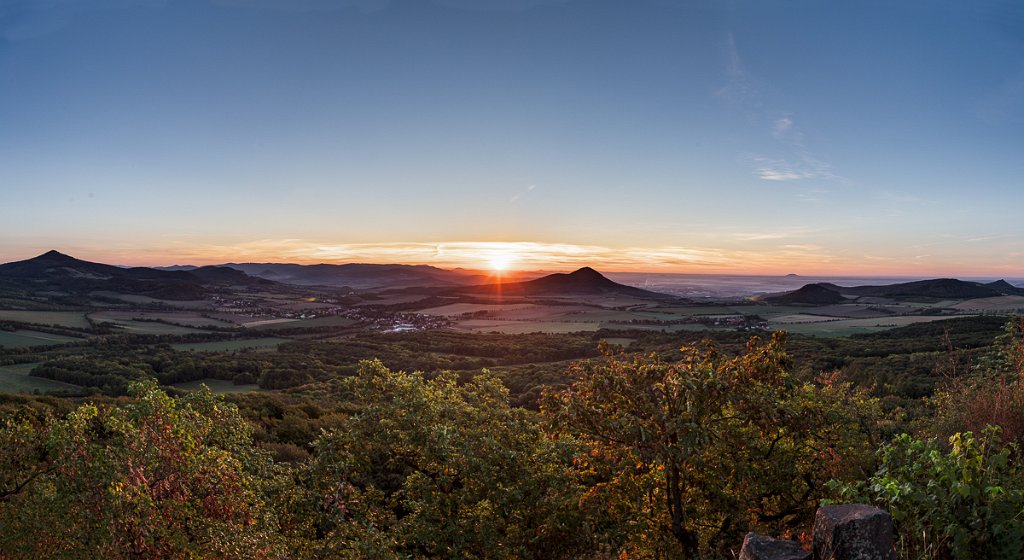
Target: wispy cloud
812,196
473,254
522,193
984,238
794,162
738,89
786,233
782,126
804,166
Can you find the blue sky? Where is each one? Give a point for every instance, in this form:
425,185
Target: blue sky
763,137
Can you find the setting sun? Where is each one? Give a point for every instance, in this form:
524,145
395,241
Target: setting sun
500,262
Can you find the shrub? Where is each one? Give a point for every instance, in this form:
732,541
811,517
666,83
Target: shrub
958,503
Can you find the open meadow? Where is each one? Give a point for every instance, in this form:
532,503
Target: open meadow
16,379
72,319
217,386
26,338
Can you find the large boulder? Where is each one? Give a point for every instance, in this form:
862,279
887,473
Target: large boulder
853,532
756,547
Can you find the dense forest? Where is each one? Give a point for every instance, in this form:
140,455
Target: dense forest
520,446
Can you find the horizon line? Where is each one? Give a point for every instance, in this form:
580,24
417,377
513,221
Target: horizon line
603,267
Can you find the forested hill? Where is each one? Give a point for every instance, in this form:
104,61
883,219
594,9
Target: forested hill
586,281
56,272
941,288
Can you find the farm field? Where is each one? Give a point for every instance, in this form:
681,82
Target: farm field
16,379
189,319
72,319
26,338
453,309
137,299
847,327
231,345
1012,304
148,327
217,386
308,323
520,327
263,322
710,310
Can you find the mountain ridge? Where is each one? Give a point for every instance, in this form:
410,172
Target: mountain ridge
584,280
57,271
937,288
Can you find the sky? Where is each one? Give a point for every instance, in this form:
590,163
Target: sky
745,137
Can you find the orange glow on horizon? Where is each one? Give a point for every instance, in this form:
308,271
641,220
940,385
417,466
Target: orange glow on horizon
505,258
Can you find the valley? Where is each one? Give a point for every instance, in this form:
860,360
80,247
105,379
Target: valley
63,319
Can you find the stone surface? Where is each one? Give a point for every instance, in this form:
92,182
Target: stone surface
756,547
853,532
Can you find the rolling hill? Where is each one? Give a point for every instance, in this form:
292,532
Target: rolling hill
56,272
935,289
358,276
585,281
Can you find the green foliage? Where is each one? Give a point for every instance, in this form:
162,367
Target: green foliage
961,502
158,478
429,468
1009,349
992,396
690,455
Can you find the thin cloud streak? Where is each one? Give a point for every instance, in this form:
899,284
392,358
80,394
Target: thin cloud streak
524,255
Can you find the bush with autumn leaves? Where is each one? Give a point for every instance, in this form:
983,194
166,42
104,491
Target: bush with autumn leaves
640,457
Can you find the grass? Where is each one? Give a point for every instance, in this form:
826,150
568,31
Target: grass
72,319
16,379
307,323
460,308
847,327
1006,304
26,338
191,319
149,327
217,386
137,299
230,345
520,327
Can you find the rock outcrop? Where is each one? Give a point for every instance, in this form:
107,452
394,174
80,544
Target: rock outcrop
841,532
853,532
756,547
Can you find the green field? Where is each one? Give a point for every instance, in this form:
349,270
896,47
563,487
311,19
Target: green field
73,319
217,386
137,299
307,323
520,327
231,345
149,327
16,379
1005,304
25,339
190,319
461,308
847,327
